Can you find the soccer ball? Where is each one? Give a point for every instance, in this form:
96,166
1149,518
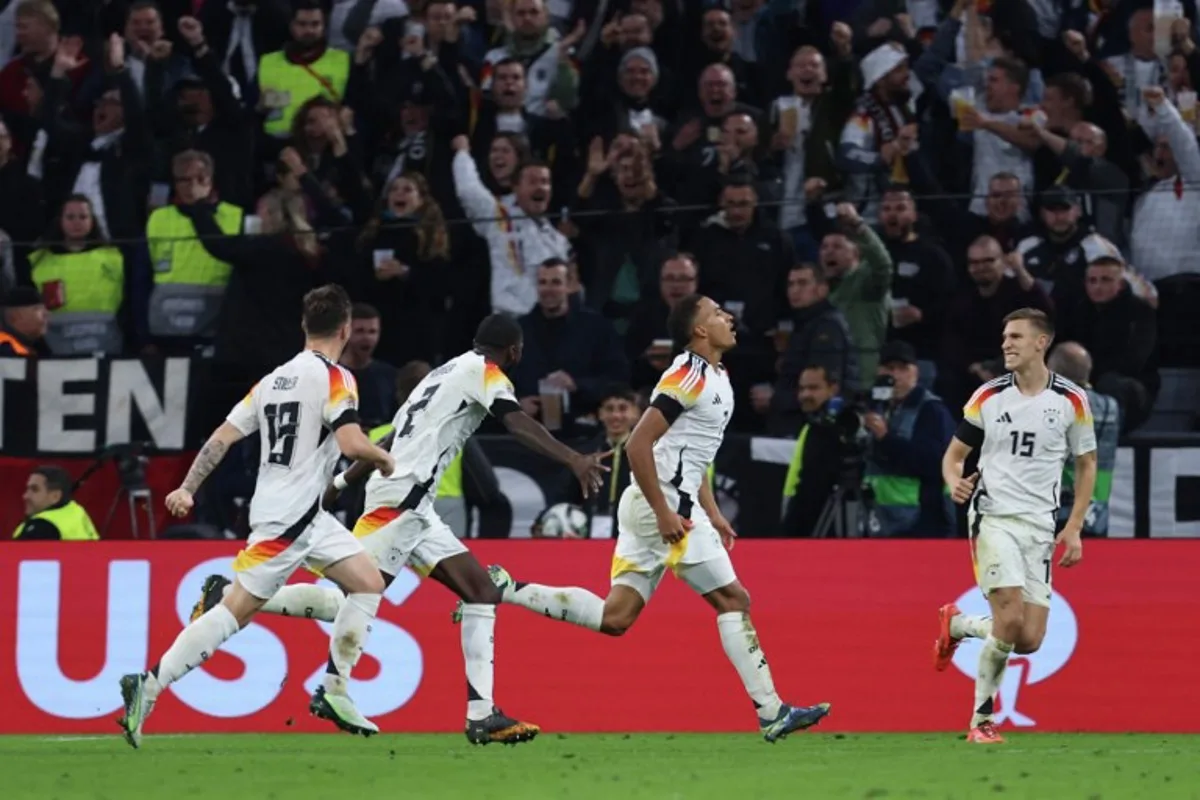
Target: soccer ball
562,520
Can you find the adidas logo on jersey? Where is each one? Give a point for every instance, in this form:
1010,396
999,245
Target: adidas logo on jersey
716,400
1005,417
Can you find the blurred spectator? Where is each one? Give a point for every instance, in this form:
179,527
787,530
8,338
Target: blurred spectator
189,282
208,116
808,125
241,33
1084,168
82,282
621,252
1000,144
404,257
107,161
922,285
1073,362
957,226
50,513
648,342
149,56
504,112
306,67
1054,253
814,471
552,81
820,337
696,136
1162,244
859,271
570,356
904,462
977,313
24,326
618,414
21,207
717,47
869,150
1117,329
744,261
1138,67
518,234
24,78
376,379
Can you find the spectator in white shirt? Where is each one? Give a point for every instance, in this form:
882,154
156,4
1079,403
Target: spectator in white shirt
1000,143
518,234
1165,236
1140,67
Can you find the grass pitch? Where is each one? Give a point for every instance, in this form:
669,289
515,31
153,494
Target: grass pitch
623,767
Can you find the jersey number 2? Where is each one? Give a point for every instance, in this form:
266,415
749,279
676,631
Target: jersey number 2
283,420
1022,443
417,406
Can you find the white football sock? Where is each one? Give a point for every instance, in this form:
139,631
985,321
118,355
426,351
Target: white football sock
974,627
992,661
351,627
567,604
479,656
192,647
306,600
740,641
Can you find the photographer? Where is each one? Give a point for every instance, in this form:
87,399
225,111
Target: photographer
820,451
910,429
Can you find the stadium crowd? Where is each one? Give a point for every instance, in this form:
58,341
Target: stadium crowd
846,177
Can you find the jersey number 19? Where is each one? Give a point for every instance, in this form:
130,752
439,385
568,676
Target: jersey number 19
283,420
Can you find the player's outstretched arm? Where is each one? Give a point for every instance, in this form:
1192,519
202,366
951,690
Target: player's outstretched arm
180,501
354,443
532,434
953,461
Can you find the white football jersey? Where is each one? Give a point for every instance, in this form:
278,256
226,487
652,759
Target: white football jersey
1026,441
697,399
433,424
295,408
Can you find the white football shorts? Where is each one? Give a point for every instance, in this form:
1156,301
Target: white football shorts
1012,551
641,556
317,541
396,538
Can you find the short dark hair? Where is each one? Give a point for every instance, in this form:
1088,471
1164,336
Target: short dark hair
618,392
1014,69
306,5
363,311
817,270
532,163
498,331
682,320
1072,86
141,5
507,62
1036,317
555,261
831,375
57,479
326,310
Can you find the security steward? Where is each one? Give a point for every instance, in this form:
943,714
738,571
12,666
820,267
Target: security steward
50,513
189,284
305,68
814,470
23,324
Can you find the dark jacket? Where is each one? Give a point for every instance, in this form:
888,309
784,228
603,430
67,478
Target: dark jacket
582,343
821,461
820,337
1120,336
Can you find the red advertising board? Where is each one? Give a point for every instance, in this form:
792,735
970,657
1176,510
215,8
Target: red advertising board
851,622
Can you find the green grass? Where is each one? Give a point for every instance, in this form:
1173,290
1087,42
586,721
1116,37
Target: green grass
618,766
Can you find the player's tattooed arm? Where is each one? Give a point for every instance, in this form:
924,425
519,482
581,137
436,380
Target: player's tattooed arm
210,456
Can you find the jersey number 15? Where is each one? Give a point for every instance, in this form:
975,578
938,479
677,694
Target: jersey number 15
1023,443
283,421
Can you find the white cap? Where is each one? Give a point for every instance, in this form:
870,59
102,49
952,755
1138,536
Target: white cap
880,62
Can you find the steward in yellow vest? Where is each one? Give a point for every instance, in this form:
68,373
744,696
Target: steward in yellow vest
51,514
83,289
189,284
305,68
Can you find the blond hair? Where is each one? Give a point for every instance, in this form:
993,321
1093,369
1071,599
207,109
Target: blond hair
290,208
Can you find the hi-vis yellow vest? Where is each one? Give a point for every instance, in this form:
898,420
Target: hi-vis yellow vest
188,282
91,285
285,86
451,483
73,523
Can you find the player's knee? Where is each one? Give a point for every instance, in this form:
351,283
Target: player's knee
1029,643
482,592
616,623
